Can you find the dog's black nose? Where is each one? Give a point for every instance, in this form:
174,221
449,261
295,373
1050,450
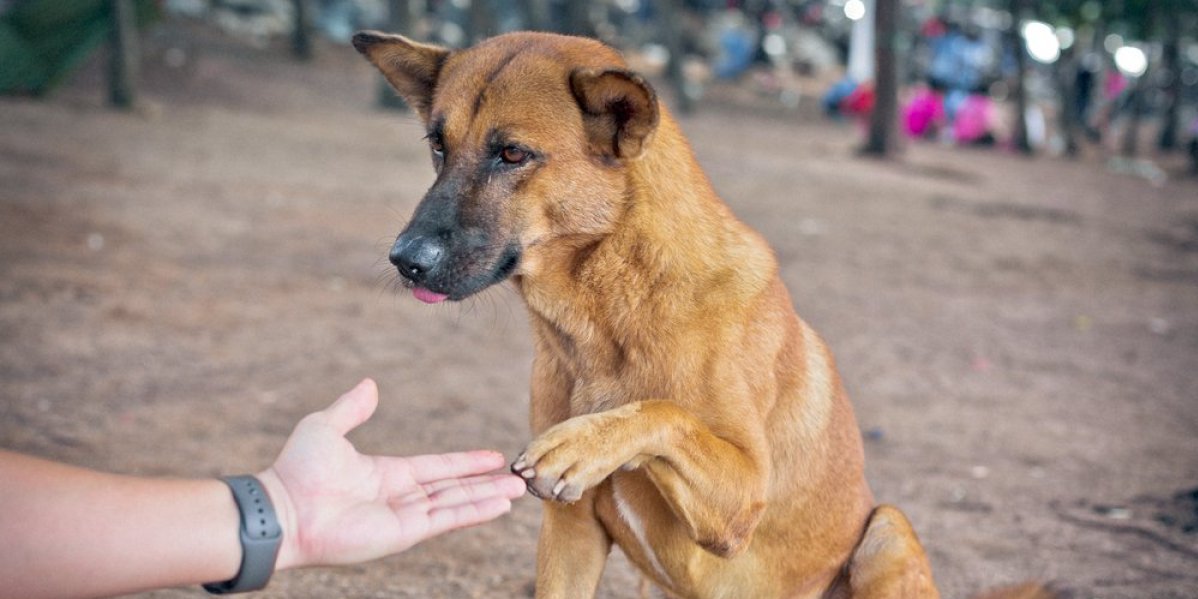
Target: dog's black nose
416,257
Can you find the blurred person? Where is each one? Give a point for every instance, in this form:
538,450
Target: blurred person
1114,101
1083,91
836,95
74,532
960,59
972,125
923,115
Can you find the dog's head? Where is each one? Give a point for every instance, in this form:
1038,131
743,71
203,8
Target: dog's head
530,135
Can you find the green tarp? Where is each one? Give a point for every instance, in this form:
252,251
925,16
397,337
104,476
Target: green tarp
42,41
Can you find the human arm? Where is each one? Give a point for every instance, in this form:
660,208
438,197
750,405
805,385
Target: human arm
73,532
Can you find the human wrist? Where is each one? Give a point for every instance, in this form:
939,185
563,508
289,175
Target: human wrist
289,554
260,535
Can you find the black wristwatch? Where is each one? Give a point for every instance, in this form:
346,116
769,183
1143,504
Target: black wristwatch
261,536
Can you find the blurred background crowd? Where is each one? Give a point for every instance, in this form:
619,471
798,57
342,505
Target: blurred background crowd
1029,75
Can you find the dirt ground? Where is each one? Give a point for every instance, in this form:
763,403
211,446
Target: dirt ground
178,286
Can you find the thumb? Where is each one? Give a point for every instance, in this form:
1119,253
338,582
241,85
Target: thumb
354,407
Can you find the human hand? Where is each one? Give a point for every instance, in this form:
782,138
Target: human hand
337,506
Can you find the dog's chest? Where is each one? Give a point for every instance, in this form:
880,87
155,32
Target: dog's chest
601,391
604,377
598,394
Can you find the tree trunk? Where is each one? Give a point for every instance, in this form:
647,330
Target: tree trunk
883,121
1171,62
669,17
301,33
536,14
1135,107
481,21
1065,73
578,18
399,20
124,59
1015,37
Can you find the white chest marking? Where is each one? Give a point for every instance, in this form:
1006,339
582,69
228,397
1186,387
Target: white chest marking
638,530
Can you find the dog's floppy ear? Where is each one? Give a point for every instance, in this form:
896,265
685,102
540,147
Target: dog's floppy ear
619,110
412,68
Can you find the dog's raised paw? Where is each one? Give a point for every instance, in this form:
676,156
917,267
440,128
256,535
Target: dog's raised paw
548,479
566,460
572,456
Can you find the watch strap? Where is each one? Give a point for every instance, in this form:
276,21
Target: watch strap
260,534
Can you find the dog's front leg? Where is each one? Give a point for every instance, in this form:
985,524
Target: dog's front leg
571,551
714,486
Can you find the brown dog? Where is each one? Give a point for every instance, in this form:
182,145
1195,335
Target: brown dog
683,410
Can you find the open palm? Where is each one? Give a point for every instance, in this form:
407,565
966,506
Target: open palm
338,506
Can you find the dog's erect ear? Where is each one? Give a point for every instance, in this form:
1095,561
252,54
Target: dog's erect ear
412,68
619,110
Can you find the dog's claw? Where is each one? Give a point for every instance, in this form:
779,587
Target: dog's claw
532,490
562,464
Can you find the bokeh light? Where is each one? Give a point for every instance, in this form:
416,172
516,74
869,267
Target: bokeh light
854,10
1112,42
1066,36
1131,61
1042,42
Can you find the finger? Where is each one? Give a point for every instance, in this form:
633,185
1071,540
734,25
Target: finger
354,407
468,514
428,468
475,490
434,487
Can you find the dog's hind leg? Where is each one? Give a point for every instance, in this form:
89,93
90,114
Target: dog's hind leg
889,562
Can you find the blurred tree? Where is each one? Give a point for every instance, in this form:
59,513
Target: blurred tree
670,20
43,41
480,21
536,14
1065,76
301,33
883,120
1015,41
1066,69
1171,72
1164,21
577,18
125,57
401,14
1141,22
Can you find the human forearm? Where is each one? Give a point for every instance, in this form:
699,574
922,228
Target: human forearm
72,532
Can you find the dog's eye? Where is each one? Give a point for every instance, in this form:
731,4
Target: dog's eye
436,143
437,146
513,155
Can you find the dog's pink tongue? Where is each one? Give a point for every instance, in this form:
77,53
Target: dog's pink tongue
428,297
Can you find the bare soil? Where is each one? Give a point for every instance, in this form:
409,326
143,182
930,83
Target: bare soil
179,285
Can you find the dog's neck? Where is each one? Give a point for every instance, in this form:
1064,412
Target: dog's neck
674,254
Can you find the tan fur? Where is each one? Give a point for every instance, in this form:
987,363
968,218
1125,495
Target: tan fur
681,408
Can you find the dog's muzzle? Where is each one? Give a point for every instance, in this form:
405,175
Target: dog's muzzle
418,257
